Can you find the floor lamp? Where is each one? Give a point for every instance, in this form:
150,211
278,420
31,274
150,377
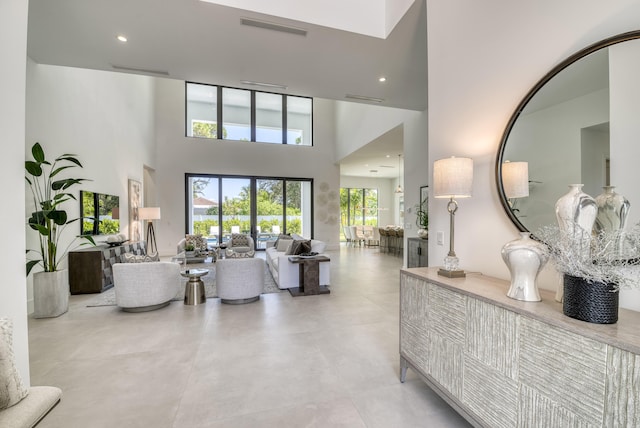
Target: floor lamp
149,214
452,178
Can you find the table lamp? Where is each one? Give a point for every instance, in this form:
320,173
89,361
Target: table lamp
515,179
452,178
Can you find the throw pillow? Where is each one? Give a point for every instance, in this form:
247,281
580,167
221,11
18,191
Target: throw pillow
12,390
299,247
199,242
282,236
283,244
239,240
133,258
230,254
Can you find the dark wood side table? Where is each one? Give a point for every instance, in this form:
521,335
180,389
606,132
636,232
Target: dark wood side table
309,276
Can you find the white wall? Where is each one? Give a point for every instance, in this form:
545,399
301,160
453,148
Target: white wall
483,58
178,155
105,118
13,292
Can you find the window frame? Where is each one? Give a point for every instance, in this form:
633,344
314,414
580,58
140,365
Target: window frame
253,179
253,125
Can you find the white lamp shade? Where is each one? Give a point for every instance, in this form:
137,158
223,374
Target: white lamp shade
453,178
149,213
515,179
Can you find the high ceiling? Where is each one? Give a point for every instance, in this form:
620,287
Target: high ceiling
204,42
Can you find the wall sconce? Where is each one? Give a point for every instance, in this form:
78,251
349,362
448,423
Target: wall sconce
452,178
150,214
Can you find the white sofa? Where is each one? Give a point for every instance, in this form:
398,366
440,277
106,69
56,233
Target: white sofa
287,274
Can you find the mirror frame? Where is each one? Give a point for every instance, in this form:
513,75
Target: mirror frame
631,35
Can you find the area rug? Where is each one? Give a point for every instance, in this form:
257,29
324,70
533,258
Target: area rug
108,297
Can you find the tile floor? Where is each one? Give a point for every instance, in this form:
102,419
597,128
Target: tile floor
314,361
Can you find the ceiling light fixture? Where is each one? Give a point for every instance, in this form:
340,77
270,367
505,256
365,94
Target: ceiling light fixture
266,85
121,38
273,26
382,79
363,98
399,188
140,70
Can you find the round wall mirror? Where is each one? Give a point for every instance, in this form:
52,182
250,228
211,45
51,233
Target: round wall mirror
579,124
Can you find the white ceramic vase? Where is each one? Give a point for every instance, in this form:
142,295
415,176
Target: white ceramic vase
50,294
576,208
525,258
613,211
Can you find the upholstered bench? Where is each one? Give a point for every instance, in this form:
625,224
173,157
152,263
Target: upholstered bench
20,407
28,412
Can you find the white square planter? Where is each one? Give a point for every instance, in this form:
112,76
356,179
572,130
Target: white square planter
50,293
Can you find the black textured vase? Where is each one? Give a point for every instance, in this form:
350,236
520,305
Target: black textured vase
596,302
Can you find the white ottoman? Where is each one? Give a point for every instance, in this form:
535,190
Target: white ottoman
239,280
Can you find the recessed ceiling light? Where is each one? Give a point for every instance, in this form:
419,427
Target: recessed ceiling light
121,38
388,156
382,79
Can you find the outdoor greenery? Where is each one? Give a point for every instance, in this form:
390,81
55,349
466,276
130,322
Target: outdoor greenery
207,130
351,207
270,200
50,220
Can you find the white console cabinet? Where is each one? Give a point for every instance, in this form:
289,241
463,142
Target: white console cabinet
504,363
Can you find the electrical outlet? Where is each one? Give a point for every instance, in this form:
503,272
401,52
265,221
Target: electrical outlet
440,238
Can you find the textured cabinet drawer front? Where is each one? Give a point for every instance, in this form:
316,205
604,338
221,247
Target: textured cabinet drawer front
490,394
623,389
414,345
447,313
566,368
536,410
492,336
414,302
446,359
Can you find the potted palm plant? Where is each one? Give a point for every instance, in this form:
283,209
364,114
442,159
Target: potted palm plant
49,220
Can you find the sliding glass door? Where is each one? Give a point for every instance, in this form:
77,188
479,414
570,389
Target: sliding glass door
261,206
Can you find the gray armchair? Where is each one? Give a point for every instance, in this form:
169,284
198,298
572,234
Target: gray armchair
240,280
145,286
240,246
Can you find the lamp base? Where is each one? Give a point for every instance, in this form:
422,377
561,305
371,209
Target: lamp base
452,273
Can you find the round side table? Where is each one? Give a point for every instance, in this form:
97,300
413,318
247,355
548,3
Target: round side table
194,288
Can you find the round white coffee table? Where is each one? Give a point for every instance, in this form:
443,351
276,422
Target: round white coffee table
194,288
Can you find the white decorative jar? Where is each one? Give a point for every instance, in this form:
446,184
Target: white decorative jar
525,258
576,208
613,211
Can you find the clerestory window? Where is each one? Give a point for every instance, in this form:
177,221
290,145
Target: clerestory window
248,115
